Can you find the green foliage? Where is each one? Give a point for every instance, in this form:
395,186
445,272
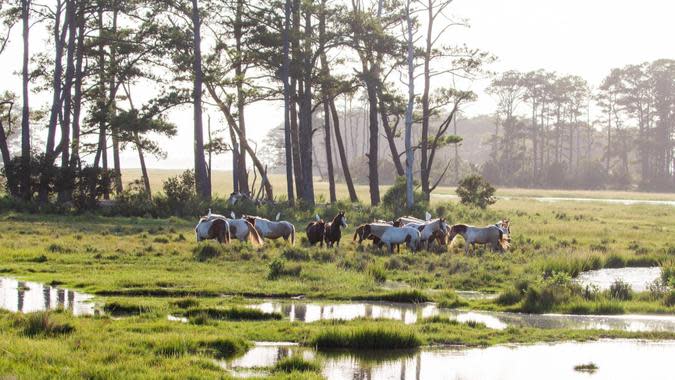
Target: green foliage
185,303
378,273
620,290
366,338
279,267
394,199
475,190
233,314
207,250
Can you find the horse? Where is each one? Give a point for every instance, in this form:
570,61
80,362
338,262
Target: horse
390,235
241,229
364,231
316,231
218,229
504,226
333,229
431,230
272,229
480,235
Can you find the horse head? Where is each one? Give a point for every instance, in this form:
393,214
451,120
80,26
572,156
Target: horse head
457,229
249,218
340,220
443,226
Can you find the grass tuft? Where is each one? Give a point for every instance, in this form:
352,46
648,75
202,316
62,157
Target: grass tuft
367,338
233,314
296,363
43,324
116,308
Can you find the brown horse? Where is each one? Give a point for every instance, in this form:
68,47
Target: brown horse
316,231
333,230
217,229
364,231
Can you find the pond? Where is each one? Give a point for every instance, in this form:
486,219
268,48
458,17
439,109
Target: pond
616,201
637,278
615,359
26,297
411,313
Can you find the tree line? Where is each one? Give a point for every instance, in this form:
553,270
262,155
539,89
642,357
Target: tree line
103,57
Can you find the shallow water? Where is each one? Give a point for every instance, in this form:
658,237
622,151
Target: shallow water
411,313
637,278
27,296
615,359
625,202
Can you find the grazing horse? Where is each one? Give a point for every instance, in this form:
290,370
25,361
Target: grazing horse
480,235
333,229
316,231
239,228
390,235
218,229
272,230
431,230
505,227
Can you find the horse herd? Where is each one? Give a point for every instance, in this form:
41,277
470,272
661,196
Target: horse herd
415,233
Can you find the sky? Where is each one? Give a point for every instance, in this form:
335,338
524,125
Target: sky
581,37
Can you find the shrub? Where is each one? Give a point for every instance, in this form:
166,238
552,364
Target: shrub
379,338
475,190
378,273
509,297
295,254
620,290
394,199
669,299
207,250
296,364
278,268
43,324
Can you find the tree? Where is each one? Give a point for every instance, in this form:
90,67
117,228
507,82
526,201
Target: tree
26,191
409,155
201,177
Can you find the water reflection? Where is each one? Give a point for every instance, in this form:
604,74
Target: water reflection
637,278
26,297
616,359
410,313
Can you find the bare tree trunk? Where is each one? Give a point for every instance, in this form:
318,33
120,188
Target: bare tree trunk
7,161
341,150
306,130
25,111
235,160
391,138
144,170
409,155
203,188
59,42
296,89
71,20
373,176
287,100
77,99
113,107
241,99
326,106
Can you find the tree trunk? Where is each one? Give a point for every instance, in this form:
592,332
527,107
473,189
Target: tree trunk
201,180
25,111
326,106
235,160
77,98
64,194
7,161
341,150
424,143
287,100
144,170
373,177
241,99
113,107
296,89
409,154
306,130
59,42
391,138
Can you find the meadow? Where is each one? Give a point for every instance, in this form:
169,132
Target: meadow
141,270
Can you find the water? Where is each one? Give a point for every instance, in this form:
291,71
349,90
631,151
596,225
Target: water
615,359
26,297
624,202
637,278
412,313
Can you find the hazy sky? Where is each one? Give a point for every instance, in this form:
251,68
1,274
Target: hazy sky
583,37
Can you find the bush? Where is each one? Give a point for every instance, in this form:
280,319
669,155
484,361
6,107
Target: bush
278,268
475,190
669,299
394,199
207,250
620,290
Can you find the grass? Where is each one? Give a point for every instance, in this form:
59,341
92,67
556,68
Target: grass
125,308
42,324
296,363
149,265
366,338
233,314
588,367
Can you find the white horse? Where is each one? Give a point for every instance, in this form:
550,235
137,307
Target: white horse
390,235
240,229
429,230
214,228
272,229
491,234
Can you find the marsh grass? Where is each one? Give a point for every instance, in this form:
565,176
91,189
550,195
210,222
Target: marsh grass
233,314
366,338
185,303
401,296
217,347
207,250
296,363
42,324
125,308
588,367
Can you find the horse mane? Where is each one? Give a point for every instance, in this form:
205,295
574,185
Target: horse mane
459,228
253,235
359,231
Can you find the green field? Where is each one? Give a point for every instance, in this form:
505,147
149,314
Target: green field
150,265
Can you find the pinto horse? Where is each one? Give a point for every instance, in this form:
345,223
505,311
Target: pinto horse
239,228
217,228
333,229
272,229
480,235
393,236
431,230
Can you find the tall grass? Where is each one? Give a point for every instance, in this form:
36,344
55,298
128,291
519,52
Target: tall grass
366,338
117,308
296,364
233,314
402,296
42,324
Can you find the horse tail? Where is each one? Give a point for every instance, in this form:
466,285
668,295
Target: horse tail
292,234
357,232
227,232
253,235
